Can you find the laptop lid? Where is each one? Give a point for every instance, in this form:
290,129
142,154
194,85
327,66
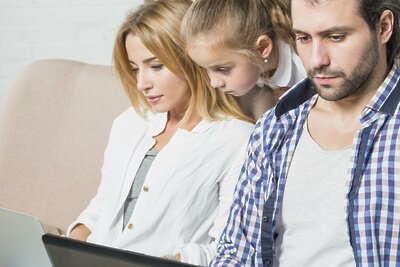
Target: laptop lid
66,252
21,240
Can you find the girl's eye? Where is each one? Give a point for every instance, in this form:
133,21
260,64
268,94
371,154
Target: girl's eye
222,69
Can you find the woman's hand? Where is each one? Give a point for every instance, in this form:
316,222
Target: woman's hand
173,257
80,232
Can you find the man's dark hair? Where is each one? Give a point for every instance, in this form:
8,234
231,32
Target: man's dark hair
371,11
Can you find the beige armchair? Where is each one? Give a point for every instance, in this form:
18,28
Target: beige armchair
54,128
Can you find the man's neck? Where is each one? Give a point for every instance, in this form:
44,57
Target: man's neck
333,124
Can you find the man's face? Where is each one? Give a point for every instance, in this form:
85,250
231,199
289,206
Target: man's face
336,46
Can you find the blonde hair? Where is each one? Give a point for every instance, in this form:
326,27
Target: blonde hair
157,24
243,21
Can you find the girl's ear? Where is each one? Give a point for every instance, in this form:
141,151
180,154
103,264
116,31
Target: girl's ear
264,46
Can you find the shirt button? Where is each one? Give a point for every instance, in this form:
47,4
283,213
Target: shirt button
267,262
265,219
145,188
130,226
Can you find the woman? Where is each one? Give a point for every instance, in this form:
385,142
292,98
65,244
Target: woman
173,159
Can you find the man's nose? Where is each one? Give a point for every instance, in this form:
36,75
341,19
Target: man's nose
319,55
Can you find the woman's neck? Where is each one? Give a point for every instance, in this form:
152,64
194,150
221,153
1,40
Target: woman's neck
172,125
191,121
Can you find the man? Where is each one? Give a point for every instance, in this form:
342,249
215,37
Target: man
321,182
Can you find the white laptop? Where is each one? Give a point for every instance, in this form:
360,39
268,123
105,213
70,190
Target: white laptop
21,241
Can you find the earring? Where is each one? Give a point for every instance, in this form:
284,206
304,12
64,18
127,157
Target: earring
263,80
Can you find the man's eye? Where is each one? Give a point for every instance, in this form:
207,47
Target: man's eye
303,38
336,37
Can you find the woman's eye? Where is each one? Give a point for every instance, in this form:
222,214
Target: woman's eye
157,66
134,69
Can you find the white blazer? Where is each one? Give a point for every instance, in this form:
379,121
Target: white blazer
186,195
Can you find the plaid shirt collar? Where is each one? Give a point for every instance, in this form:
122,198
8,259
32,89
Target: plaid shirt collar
385,99
380,102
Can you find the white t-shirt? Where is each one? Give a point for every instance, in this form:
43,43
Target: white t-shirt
312,228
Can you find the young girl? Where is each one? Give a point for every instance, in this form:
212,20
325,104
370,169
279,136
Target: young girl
246,46
172,162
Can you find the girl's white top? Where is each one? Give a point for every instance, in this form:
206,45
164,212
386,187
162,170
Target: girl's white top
290,68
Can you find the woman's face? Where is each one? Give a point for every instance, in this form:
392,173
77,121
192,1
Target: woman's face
228,70
163,89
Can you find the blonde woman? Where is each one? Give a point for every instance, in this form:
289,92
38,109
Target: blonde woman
247,48
174,157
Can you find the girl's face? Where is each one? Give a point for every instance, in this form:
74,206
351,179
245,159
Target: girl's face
163,89
228,70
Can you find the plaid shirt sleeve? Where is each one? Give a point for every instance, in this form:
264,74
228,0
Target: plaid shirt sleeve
240,243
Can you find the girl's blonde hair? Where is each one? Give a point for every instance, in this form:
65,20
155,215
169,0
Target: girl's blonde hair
157,24
239,23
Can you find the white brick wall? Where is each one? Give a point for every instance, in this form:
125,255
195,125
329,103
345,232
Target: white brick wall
72,29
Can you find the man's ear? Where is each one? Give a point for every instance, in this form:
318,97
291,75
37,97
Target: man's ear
386,26
264,46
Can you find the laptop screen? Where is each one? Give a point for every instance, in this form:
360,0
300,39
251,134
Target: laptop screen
66,252
21,240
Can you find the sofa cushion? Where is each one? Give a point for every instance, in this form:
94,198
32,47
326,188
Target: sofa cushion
54,128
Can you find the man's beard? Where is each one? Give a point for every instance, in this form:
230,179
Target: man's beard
356,82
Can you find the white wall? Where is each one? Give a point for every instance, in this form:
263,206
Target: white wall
72,29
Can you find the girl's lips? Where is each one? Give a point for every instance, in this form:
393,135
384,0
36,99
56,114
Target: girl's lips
153,99
234,93
229,92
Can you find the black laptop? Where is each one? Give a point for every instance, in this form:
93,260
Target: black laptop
66,252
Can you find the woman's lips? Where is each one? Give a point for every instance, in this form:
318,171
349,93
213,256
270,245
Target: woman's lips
153,99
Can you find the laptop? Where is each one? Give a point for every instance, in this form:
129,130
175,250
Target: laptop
66,252
21,240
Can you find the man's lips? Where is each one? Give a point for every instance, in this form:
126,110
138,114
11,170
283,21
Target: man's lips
324,79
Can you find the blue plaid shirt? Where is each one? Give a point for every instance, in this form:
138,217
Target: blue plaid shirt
373,196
